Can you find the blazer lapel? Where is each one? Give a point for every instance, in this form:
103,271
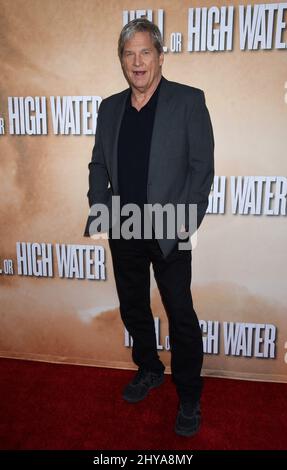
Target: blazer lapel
159,128
115,130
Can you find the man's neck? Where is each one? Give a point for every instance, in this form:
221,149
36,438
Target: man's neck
140,97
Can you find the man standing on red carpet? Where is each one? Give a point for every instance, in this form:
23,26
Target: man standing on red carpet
154,146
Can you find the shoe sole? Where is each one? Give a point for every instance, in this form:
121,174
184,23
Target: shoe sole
142,398
184,433
191,431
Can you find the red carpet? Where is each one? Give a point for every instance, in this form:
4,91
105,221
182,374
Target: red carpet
51,406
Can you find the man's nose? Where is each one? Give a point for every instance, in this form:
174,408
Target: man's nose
137,60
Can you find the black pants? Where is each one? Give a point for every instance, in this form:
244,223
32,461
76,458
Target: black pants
131,263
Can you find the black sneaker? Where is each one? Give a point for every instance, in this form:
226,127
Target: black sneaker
188,419
141,384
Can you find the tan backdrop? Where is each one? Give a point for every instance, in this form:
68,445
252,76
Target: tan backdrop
68,48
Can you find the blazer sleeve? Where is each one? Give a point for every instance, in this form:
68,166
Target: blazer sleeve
201,159
99,191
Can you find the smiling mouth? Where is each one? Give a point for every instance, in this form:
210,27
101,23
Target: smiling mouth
139,73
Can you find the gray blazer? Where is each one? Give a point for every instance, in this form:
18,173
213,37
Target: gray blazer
181,164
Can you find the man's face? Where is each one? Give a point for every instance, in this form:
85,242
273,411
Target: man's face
141,62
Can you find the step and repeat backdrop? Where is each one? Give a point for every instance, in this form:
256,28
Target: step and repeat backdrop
58,295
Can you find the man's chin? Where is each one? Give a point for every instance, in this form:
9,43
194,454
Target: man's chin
140,84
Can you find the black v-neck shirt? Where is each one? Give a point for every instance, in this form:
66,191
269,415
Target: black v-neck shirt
133,150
